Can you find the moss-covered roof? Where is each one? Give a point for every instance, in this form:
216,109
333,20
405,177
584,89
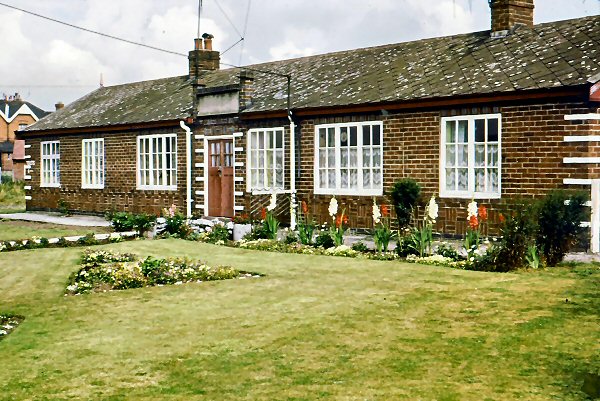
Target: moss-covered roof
564,53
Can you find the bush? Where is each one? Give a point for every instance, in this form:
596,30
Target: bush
405,246
518,234
291,238
559,220
218,233
360,247
120,221
448,251
404,195
142,222
324,240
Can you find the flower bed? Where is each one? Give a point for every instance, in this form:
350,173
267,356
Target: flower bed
8,323
104,271
64,242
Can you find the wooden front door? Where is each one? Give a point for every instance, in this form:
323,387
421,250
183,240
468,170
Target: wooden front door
220,178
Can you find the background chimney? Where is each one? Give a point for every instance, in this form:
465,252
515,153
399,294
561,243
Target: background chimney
203,58
507,13
59,105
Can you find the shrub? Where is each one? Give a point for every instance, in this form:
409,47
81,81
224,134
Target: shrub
447,251
559,220
88,239
360,247
405,194
63,207
218,233
518,234
291,238
142,222
120,221
405,246
324,240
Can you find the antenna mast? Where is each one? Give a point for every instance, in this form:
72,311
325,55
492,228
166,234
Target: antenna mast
199,14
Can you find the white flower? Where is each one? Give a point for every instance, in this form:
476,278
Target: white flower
376,213
432,209
471,210
333,207
273,203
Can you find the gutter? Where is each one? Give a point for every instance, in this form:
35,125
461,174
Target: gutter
188,168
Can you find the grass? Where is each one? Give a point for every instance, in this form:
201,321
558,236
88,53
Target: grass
12,197
315,327
17,229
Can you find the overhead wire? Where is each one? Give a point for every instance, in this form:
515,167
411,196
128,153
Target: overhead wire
245,30
92,31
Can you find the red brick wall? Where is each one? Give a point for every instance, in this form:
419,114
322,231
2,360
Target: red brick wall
119,193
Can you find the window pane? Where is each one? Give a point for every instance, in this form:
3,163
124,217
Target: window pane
479,155
344,158
345,179
322,138
479,179
463,131
450,179
492,180
376,157
463,179
493,130
367,178
344,136
479,130
279,141
367,157
450,131
353,136
376,135
331,137
366,135
492,155
331,178
450,155
463,155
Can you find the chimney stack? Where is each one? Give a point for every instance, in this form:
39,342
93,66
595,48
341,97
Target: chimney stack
203,57
59,105
508,13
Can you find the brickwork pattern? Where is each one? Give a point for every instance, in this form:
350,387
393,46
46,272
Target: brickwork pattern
120,192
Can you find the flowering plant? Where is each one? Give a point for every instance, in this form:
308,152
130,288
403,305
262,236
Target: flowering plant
382,234
242,218
306,225
340,222
475,217
270,222
421,238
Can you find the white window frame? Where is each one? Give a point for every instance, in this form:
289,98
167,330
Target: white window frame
360,190
50,178
152,185
22,126
264,171
96,172
470,193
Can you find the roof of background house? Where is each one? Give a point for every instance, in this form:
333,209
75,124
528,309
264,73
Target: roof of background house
15,105
549,55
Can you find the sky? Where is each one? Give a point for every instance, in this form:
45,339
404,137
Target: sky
46,62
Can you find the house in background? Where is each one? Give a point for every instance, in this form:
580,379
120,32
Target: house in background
494,115
15,114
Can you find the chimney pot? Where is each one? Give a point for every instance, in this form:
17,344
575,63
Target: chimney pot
198,44
59,105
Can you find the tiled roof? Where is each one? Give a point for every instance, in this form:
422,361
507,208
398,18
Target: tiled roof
564,53
147,101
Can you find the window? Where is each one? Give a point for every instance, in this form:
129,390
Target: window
470,156
157,162
22,126
50,170
349,159
266,159
92,163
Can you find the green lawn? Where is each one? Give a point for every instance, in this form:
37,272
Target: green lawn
316,327
12,197
18,229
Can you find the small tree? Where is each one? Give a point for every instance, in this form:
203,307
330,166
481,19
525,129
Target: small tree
560,215
404,195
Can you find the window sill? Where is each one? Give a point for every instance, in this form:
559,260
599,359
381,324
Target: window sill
157,188
349,192
470,195
92,187
49,185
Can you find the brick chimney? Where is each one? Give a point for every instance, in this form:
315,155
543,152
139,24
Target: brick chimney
203,57
508,13
246,89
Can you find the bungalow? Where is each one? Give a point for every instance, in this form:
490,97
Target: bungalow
492,115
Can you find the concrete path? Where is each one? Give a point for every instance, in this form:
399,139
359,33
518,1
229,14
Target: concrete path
55,218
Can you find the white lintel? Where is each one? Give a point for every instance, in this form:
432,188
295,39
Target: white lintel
577,181
588,116
582,138
581,160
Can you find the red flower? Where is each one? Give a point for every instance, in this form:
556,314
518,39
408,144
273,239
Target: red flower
304,208
385,211
501,218
263,213
473,222
340,220
482,212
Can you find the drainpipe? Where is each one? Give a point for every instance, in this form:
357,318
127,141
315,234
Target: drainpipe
188,167
292,168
